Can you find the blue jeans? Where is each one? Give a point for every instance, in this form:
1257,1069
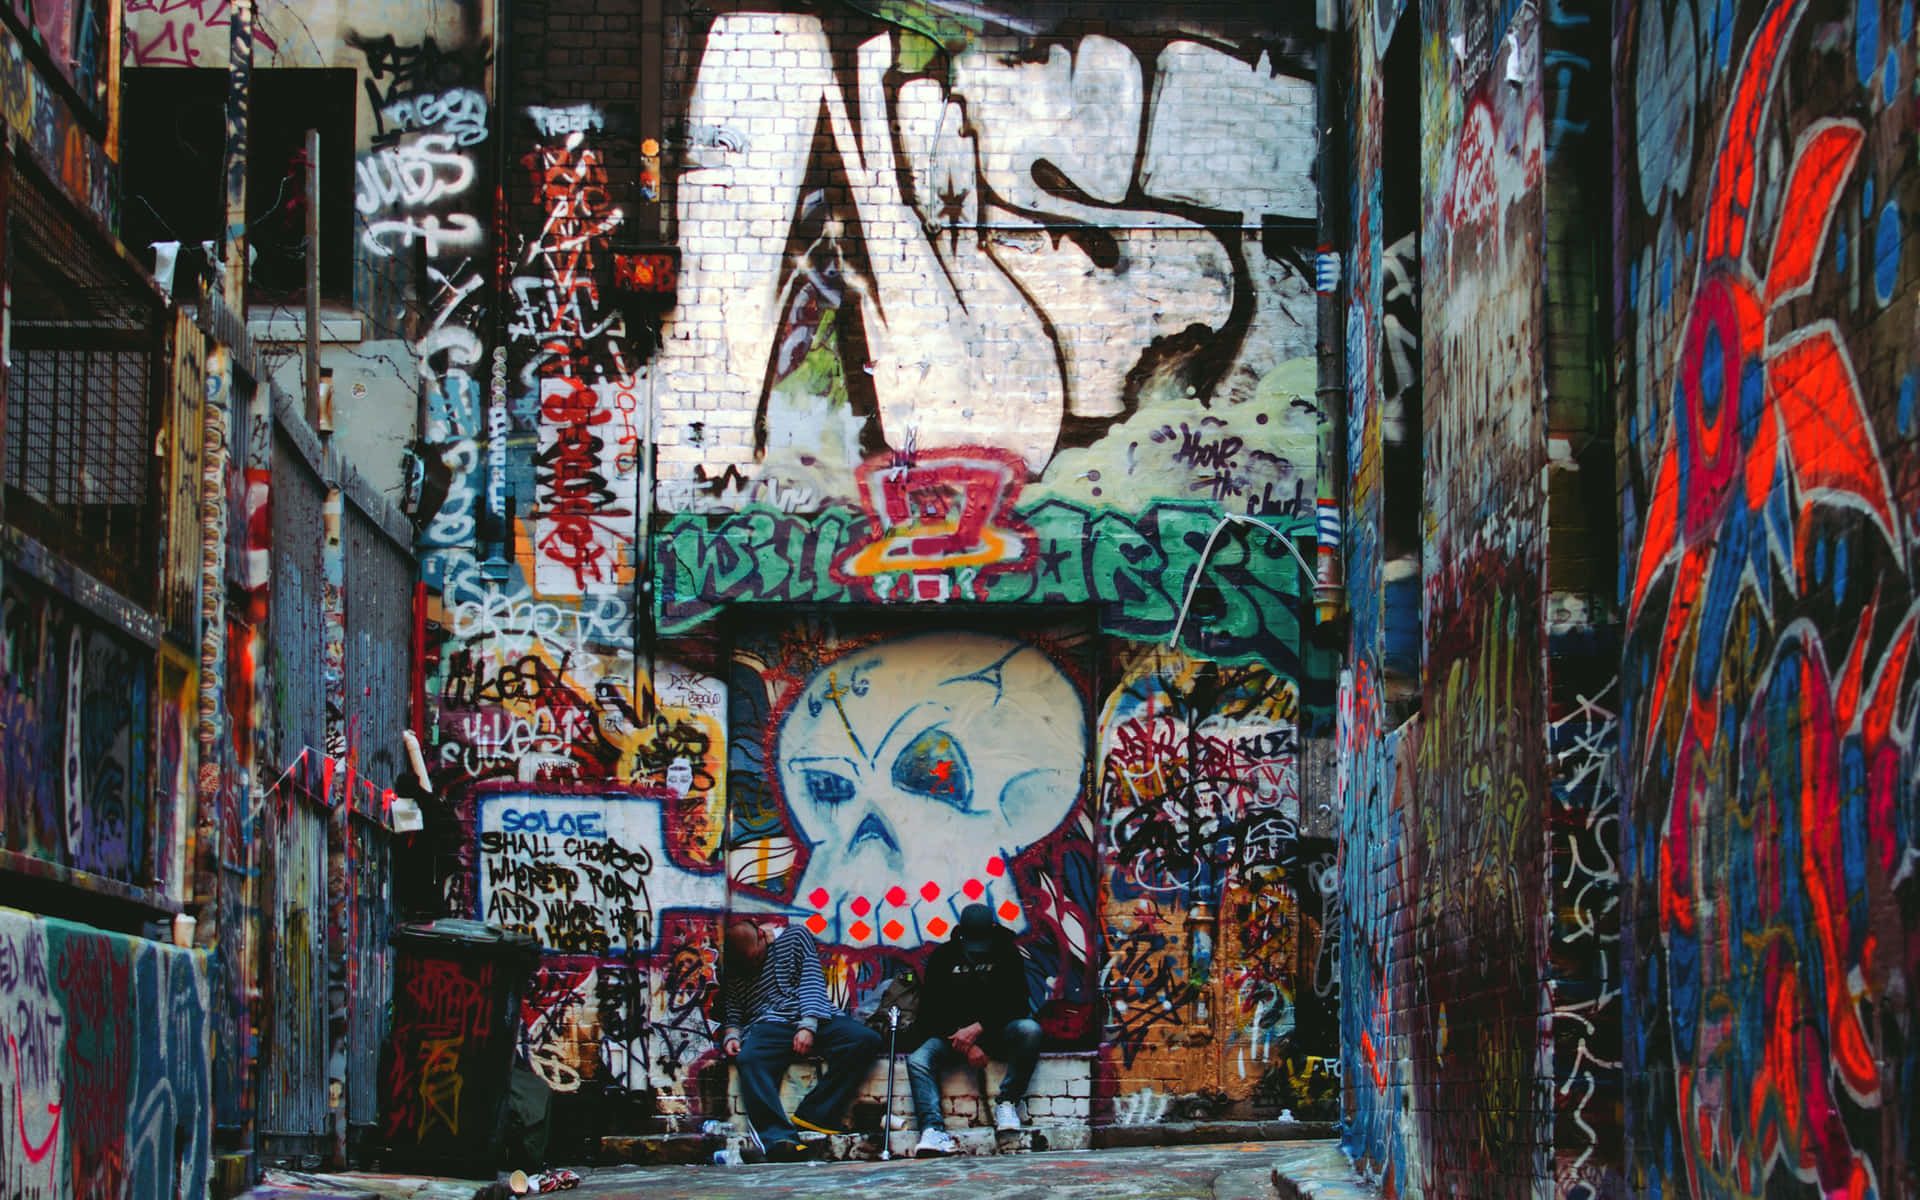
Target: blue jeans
1018,1045
766,1051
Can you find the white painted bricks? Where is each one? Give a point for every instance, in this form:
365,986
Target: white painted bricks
1060,1094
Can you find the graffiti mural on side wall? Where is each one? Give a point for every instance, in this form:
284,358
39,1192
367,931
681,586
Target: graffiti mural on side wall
77,770
1770,687
1380,1135
1583,952
1475,1006
108,1087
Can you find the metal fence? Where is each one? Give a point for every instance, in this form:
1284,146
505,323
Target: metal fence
294,1123
379,575
296,709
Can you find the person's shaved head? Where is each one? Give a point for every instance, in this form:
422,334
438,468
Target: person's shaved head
747,942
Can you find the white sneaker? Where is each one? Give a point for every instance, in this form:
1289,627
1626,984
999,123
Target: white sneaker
935,1143
1006,1117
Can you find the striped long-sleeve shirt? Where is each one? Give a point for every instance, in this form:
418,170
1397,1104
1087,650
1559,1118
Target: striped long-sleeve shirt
789,987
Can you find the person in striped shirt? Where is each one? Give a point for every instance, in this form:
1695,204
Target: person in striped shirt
774,1009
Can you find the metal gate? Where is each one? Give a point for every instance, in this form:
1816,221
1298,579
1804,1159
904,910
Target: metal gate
379,575
293,1077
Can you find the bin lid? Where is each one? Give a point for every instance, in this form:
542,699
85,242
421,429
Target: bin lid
459,933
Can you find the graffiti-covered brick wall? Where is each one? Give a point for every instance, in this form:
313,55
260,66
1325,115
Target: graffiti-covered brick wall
1005,308
1766,289
109,1082
1202,811
1448,1070
1374,1069
980,326
1480,900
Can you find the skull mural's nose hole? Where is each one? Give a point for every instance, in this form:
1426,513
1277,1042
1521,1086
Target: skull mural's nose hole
873,829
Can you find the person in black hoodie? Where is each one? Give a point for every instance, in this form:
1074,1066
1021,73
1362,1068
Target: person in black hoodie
973,1007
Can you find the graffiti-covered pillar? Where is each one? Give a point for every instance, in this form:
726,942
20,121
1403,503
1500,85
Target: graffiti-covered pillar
1764,294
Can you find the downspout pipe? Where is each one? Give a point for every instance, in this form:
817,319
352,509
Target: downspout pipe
1330,295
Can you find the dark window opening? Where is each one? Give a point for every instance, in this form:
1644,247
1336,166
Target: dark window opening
79,441
173,138
1403,466
82,397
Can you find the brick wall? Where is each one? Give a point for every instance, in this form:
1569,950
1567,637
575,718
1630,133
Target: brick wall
982,325
1600,897
1447,1064
1765,299
1058,1106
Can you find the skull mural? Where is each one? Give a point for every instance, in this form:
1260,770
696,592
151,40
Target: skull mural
915,770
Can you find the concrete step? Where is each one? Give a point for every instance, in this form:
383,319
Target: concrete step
1317,1170
653,1149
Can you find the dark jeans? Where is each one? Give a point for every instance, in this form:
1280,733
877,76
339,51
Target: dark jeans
766,1051
1018,1045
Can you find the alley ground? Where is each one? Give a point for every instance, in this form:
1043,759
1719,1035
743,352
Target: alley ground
1312,1170
1236,1172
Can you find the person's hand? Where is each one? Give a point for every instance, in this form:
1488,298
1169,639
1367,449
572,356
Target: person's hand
731,1047
963,1038
976,1057
803,1042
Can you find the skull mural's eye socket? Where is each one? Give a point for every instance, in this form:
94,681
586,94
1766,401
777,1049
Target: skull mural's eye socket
827,788
934,766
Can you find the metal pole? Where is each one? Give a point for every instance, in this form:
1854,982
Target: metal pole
318,415
886,1118
233,283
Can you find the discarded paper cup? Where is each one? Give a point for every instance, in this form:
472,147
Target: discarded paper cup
522,1184
183,931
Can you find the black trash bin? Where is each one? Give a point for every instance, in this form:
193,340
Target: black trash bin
445,1074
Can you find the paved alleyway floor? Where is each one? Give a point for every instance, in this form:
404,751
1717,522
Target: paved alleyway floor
1298,1170
1231,1172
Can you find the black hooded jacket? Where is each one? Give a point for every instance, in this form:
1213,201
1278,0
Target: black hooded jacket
956,991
